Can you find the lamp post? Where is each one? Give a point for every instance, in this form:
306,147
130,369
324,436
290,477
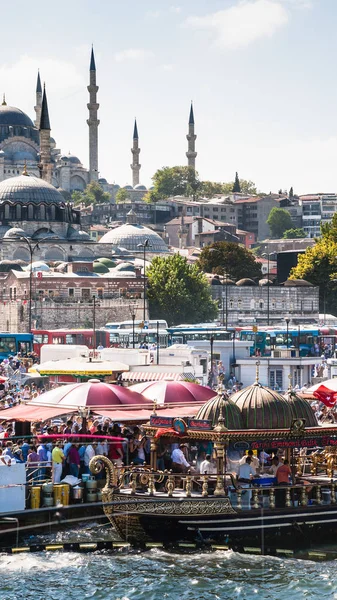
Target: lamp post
133,316
157,342
211,342
268,254
94,323
145,245
287,323
224,282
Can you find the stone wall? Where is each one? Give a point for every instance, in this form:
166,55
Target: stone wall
14,315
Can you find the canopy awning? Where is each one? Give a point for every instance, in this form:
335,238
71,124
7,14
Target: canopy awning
150,376
81,368
144,415
26,412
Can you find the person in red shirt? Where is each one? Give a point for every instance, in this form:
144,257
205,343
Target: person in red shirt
283,473
116,452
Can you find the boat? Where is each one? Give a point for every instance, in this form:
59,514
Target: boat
145,505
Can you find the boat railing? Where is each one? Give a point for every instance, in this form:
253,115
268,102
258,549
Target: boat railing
143,479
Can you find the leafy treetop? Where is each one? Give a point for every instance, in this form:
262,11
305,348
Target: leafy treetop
279,220
230,258
93,194
179,292
292,234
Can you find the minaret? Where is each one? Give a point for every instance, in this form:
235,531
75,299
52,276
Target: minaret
93,122
191,137
135,167
45,153
38,106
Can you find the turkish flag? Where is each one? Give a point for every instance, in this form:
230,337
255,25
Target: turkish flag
328,397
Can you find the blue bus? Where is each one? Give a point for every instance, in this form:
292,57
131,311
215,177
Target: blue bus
13,343
181,334
309,341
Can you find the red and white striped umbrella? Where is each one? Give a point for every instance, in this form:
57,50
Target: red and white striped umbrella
92,393
174,392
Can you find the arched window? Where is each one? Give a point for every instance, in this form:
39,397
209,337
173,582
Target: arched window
239,303
231,303
30,212
18,211
261,304
273,303
252,304
6,211
42,212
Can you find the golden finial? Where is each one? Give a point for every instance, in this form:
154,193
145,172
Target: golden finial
154,407
220,426
4,103
25,172
290,377
257,376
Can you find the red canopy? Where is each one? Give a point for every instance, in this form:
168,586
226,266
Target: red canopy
90,394
144,415
27,412
174,392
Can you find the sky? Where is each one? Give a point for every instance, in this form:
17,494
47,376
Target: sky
260,73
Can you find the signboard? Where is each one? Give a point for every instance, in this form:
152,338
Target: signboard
156,421
200,424
286,443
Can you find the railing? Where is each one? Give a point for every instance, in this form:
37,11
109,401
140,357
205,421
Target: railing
143,478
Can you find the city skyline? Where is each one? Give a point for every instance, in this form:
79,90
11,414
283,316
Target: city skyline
258,72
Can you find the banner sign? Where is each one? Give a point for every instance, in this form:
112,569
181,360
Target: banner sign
156,421
200,424
288,443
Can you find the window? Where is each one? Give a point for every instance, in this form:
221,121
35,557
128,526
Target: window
85,293
58,340
252,304
7,344
71,292
276,379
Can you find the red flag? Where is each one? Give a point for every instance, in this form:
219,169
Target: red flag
328,397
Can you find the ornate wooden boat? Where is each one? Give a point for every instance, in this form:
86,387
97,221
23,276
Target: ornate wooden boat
146,505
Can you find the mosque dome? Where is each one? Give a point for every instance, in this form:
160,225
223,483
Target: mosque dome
127,187
99,267
263,408
140,188
301,409
245,282
71,158
76,234
107,262
15,232
230,412
11,116
297,283
102,180
125,266
25,189
264,281
129,236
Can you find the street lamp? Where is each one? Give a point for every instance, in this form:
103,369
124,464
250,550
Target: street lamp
145,245
268,254
287,323
133,316
225,282
31,247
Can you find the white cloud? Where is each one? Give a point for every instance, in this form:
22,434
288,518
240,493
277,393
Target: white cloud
136,54
175,9
244,23
19,78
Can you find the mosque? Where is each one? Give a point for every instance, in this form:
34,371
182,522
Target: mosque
36,180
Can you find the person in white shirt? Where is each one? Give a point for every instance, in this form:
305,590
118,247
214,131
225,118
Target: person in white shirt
207,467
179,462
88,455
254,460
246,472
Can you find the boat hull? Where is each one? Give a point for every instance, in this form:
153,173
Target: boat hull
140,520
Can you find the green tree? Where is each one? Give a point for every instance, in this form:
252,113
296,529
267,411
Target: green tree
318,265
208,189
230,258
93,194
247,187
77,197
236,185
291,192
292,234
279,221
175,181
179,292
121,195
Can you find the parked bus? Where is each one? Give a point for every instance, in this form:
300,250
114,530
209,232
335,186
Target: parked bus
137,336
182,334
309,341
82,337
13,343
